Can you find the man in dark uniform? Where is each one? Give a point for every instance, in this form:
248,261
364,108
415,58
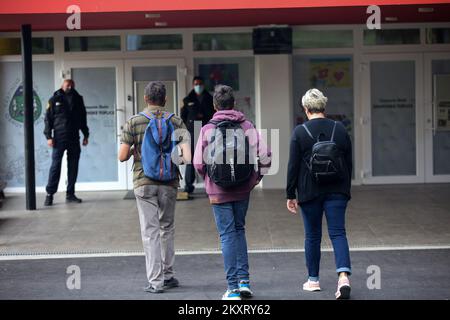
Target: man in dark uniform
197,106
65,117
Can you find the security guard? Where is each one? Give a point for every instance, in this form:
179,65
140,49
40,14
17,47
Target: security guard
197,106
65,116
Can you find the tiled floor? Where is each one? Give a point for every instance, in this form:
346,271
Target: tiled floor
395,215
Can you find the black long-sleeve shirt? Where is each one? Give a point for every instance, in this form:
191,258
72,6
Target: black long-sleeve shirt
299,178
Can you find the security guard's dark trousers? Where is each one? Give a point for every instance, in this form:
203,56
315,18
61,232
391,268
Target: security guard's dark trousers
73,156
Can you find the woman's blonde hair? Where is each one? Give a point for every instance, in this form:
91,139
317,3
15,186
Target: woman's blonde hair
314,101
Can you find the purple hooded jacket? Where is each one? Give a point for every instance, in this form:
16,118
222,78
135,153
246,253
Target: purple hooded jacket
218,194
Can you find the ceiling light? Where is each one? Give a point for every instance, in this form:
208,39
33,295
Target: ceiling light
152,15
391,19
425,10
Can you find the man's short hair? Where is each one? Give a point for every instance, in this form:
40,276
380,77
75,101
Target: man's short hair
223,97
155,91
200,78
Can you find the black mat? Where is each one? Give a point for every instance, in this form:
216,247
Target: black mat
417,274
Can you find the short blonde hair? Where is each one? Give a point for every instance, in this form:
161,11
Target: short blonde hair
314,101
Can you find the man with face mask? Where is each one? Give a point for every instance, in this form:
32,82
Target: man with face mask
64,118
197,106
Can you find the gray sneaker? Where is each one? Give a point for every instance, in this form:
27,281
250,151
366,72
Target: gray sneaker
171,283
151,289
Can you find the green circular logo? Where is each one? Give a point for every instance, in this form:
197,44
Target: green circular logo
16,107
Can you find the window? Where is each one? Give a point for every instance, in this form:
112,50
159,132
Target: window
11,121
333,75
322,38
222,41
438,35
155,42
92,43
12,46
391,37
239,73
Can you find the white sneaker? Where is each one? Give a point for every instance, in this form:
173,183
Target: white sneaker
311,286
232,295
244,288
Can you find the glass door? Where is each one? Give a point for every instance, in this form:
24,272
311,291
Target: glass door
101,85
437,126
393,149
138,73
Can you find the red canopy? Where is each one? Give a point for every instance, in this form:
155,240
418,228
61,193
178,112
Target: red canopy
122,14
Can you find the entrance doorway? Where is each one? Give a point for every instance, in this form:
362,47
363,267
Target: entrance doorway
100,83
138,73
406,118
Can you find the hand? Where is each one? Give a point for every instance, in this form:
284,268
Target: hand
292,205
50,143
85,141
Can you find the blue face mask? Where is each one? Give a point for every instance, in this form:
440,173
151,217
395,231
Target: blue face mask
198,89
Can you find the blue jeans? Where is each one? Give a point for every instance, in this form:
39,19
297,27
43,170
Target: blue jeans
230,223
334,205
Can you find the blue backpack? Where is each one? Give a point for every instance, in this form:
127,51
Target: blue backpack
157,147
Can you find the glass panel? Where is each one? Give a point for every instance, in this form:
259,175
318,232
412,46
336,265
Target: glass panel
11,122
333,75
391,37
12,46
393,107
239,73
94,43
322,38
98,162
441,99
438,35
143,75
222,41
155,42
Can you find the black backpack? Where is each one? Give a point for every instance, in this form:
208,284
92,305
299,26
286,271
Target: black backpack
326,162
233,168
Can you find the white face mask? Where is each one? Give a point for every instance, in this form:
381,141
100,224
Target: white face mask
198,89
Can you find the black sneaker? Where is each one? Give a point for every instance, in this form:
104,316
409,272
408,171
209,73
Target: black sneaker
48,200
73,198
151,289
171,283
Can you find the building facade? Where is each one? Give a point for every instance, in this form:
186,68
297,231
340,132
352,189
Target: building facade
390,87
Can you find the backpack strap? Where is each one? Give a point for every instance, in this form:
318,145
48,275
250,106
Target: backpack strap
149,117
167,115
307,131
334,129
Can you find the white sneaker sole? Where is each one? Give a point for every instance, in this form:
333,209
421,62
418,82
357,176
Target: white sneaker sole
312,289
233,298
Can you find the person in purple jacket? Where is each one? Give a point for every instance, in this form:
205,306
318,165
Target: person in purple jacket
230,204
